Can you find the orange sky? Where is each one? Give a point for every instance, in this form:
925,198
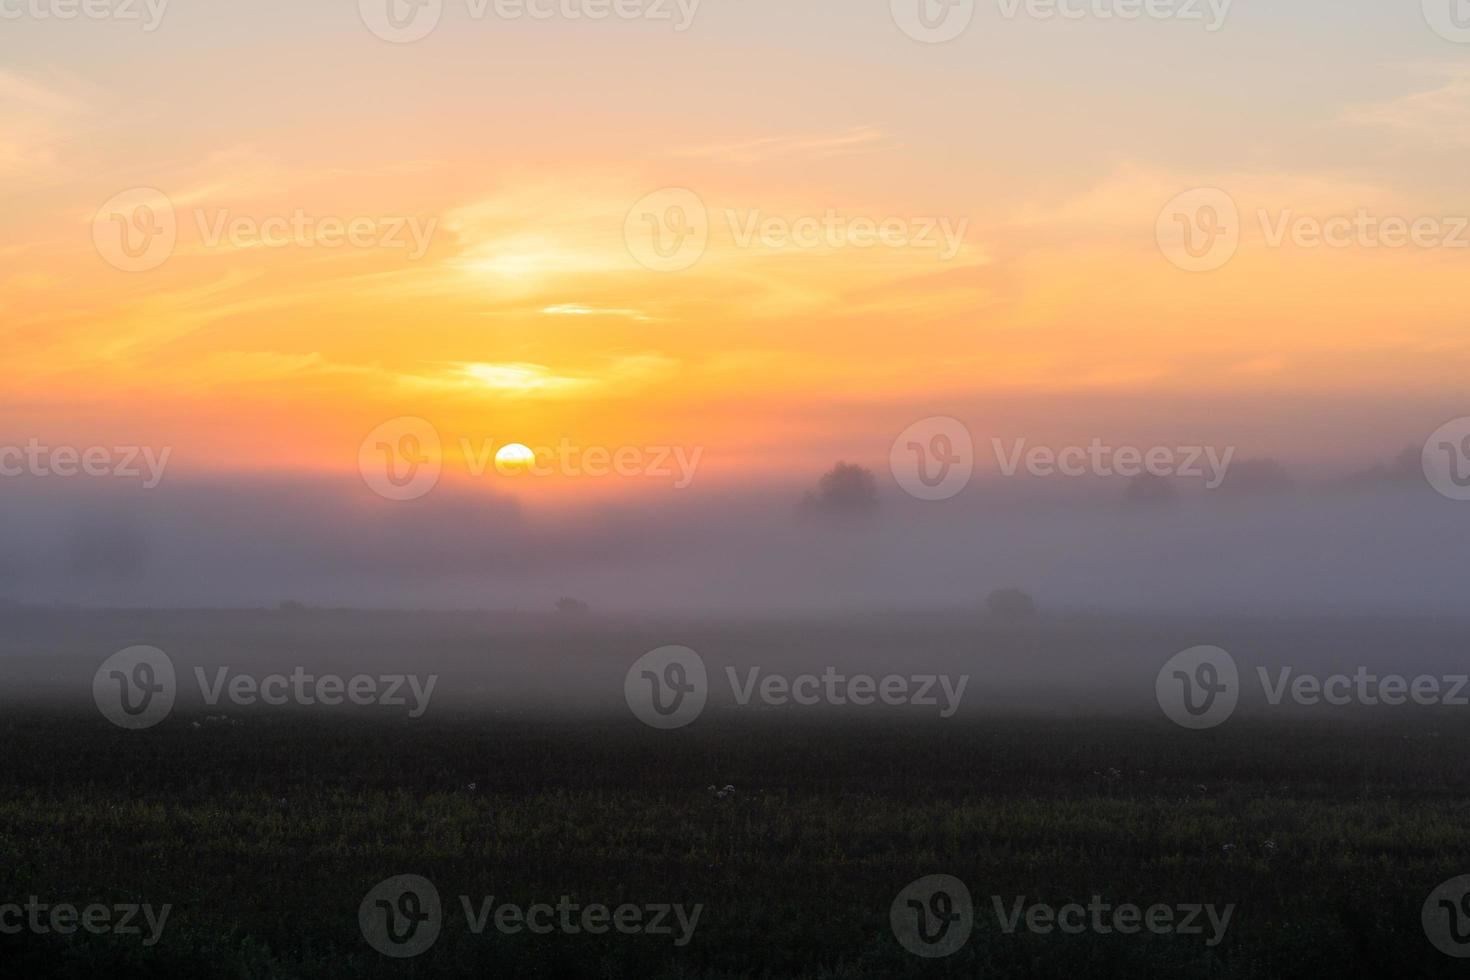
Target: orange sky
529,316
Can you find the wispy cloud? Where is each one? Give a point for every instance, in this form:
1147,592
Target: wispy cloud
1439,115
576,309
253,367
519,378
528,379
37,120
863,139
230,174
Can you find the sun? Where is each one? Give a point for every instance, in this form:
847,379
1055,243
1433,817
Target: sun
514,459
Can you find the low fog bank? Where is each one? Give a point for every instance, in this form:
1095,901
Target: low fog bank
1383,544
544,667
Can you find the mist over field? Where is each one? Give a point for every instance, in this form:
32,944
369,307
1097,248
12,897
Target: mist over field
542,667
1324,544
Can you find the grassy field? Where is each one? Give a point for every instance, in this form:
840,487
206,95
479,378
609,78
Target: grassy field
264,832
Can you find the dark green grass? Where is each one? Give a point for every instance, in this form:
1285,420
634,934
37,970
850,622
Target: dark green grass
265,831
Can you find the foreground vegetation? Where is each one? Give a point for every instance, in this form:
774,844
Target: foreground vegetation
264,831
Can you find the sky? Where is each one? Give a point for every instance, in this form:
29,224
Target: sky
590,233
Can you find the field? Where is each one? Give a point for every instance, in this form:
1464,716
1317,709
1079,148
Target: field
264,829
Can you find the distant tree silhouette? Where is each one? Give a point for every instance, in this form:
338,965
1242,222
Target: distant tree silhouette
1405,468
1408,464
1148,491
845,489
1257,476
1010,605
567,606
